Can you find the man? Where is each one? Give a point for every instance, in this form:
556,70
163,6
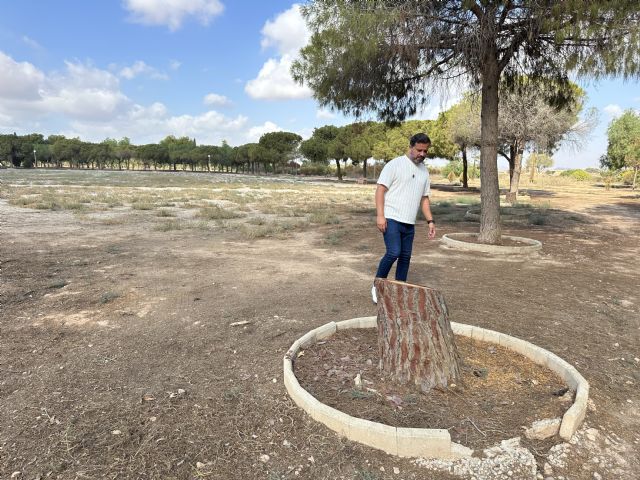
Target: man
403,188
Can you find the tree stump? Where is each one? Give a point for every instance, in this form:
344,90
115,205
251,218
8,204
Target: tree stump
415,339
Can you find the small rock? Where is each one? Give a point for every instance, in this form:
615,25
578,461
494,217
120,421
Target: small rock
510,443
597,476
274,380
311,459
286,443
264,458
382,469
153,419
396,470
16,474
238,324
358,381
542,429
116,432
200,465
181,391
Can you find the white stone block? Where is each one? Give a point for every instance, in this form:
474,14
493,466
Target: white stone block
376,435
325,331
423,442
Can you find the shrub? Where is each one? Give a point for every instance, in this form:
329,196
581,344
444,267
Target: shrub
577,174
627,177
456,167
312,168
453,168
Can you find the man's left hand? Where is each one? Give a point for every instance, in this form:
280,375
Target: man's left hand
432,231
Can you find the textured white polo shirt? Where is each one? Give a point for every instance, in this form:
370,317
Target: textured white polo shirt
407,184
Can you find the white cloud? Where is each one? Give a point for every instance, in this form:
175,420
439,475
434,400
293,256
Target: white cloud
141,68
256,132
172,13
175,64
152,124
214,99
19,81
287,33
274,82
325,114
85,101
613,110
83,91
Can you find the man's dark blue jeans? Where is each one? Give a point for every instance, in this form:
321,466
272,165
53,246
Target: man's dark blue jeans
398,239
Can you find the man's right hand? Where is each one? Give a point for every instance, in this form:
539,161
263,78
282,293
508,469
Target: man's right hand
381,222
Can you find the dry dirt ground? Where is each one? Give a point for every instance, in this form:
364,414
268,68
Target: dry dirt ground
118,357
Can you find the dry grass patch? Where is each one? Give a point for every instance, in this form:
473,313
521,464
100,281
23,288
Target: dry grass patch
170,225
119,220
324,218
269,229
216,212
163,212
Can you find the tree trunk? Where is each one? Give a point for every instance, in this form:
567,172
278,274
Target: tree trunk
515,178
465,164
415,339
489,191
533,169
338,167
364,169
512,163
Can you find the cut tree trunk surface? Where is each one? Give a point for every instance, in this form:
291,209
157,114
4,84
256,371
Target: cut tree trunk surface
415,339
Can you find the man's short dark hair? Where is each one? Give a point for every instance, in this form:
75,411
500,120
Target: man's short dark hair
419,138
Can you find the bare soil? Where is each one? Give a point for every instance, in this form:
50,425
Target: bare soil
118,358
501,391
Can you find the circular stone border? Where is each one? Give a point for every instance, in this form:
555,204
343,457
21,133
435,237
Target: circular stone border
531,245
424,442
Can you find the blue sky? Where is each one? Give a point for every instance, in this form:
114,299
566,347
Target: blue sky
209,69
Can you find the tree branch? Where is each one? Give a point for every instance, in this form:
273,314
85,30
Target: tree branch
477,11
505,12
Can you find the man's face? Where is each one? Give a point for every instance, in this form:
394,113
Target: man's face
418,152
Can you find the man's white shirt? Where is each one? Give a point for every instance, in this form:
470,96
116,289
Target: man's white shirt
407,183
